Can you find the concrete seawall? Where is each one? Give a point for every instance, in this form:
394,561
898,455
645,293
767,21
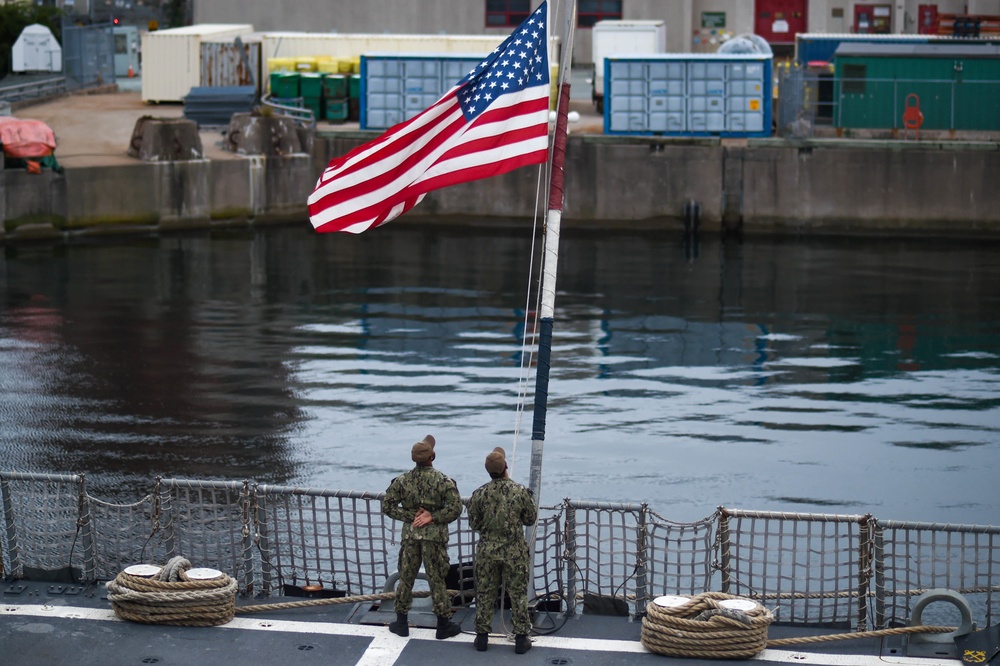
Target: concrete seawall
772,185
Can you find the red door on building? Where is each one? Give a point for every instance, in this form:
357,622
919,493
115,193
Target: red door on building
927,19
872,19
778,21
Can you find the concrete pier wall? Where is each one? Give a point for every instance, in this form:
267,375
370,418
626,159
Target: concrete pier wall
642,179
819,186
855,187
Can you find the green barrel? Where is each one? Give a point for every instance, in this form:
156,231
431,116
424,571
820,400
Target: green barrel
311,89
311,84
285,85
335,86
336,110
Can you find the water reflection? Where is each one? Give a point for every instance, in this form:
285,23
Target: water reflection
835,375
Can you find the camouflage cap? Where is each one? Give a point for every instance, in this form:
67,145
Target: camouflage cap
496,461
423,451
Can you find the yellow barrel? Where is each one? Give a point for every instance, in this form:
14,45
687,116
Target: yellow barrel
328,66
281,64
305,64
350,65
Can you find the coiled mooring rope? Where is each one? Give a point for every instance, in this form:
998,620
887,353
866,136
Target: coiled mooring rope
703,627
172,598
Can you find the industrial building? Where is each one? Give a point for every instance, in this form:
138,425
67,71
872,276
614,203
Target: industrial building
693,26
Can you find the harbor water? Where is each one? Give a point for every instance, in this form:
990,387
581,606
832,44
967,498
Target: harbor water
820,375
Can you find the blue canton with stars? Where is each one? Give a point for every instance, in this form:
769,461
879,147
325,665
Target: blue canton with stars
520,62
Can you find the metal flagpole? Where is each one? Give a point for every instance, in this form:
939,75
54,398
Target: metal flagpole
550,259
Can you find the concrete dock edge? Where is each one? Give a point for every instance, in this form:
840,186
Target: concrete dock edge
769,185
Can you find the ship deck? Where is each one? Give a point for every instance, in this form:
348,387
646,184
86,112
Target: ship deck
57,624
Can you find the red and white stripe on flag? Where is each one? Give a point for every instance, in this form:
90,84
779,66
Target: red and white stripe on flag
494,121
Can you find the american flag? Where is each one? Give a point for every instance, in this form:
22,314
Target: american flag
492,121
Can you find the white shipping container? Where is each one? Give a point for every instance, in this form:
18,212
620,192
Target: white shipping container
171,59
612,38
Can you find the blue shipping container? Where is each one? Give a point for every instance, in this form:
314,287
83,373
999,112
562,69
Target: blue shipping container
395,87
690,94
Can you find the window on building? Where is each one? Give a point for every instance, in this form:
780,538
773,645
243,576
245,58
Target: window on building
589,12
855,77
506,13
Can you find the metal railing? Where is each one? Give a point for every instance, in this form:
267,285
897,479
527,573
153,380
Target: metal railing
850,571
47,87
292,108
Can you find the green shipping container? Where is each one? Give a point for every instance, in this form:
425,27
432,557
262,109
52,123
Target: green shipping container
335,86
954,87
285,85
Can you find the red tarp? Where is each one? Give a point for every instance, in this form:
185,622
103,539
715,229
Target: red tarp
26,138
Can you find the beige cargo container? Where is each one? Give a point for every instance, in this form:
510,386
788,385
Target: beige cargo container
283,45
171,59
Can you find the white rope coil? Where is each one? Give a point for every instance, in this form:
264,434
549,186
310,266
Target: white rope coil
704,626
171,597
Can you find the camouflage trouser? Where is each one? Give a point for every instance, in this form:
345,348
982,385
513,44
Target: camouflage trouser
435,558
491,571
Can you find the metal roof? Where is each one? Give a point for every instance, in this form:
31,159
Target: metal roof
919,50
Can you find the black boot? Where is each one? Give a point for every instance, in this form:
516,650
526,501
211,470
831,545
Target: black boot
481,641
521,643
401,627
446,628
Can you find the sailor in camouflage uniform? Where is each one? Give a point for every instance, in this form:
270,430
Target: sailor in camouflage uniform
426,501
499,511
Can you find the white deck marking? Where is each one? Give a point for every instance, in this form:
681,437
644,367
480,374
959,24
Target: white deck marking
790,657
385,647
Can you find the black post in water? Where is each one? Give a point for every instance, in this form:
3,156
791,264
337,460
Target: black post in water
692,217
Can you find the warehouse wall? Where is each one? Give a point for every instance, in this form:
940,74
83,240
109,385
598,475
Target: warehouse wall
458,17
